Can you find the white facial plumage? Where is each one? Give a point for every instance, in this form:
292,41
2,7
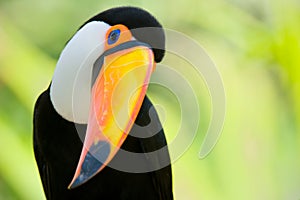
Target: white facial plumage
70,90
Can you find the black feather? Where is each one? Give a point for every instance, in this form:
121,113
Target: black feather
57,148
134,18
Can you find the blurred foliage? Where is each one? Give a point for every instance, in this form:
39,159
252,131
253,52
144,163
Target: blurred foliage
256,46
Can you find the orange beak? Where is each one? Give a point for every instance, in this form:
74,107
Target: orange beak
118,90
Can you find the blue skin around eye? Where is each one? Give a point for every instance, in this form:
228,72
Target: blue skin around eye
113,36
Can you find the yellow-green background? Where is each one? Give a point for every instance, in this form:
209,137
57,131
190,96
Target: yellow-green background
256,46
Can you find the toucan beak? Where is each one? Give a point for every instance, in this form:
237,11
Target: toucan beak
117,95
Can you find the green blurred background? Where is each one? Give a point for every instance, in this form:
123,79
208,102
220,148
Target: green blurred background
256,46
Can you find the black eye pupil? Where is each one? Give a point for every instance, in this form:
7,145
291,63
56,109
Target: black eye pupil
113,36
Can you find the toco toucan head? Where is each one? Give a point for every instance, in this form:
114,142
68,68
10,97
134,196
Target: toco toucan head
101,80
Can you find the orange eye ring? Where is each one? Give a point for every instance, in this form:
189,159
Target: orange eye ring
116,35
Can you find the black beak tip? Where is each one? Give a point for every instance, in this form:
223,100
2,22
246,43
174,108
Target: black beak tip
91,164
75,184
81,179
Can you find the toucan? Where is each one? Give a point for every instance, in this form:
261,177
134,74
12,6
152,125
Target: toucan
96,133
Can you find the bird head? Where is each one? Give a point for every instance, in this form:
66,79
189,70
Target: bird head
101,80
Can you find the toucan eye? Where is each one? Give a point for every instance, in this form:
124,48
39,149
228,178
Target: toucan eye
113,36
